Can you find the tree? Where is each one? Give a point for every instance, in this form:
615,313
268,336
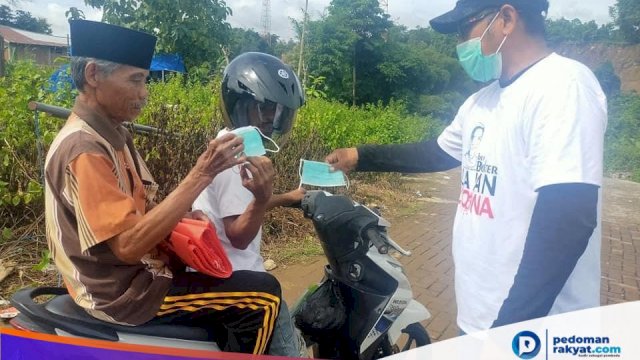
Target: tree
346,46
626,16
23,20
563,30
419,68
74,14
194,29
242,40
6,15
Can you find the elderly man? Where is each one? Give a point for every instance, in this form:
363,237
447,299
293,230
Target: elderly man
105,236
526,239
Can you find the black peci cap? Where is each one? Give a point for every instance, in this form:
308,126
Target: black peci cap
447,23
112,43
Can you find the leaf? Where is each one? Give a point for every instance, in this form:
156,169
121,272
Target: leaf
44,261
34,187
7,234
15,200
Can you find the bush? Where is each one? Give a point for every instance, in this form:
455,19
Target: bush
186,114
22,152
622,141
340,125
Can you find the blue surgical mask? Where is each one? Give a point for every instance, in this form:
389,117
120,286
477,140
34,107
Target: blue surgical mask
252,140
480,67
317,173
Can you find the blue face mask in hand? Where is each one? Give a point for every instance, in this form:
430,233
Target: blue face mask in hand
252,139
317,173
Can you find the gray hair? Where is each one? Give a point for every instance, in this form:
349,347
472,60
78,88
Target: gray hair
78,64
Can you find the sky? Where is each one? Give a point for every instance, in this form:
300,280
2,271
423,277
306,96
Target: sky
247,13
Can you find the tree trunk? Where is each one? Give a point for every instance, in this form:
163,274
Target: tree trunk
304,30
354,74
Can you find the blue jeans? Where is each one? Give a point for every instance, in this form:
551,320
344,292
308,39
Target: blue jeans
284,341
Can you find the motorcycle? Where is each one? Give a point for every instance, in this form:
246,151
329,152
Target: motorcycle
374,294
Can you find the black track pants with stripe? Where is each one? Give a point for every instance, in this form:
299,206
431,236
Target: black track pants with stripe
239,312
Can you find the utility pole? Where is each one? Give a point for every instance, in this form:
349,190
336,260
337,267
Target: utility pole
266,20
304,30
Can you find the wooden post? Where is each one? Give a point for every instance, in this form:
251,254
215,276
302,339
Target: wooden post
1,56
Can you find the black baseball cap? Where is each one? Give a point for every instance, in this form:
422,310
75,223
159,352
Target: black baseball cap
448,22
112,43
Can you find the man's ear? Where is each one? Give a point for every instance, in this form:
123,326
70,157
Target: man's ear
91,74
510,18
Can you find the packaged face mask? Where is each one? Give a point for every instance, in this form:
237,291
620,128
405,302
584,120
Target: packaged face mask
252,139
317,173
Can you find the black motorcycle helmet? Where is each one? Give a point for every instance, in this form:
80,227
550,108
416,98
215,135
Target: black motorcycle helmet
260,90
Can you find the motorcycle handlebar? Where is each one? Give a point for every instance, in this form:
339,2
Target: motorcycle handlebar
373,235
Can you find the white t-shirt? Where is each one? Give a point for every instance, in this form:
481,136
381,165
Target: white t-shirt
224,197
545,128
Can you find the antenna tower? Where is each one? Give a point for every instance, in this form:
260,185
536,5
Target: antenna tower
266,20
384,4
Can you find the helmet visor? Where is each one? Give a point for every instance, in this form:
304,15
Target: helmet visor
273,119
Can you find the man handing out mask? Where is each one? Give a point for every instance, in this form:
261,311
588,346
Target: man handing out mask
526,239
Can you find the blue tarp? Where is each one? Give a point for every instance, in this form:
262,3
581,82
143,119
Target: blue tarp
160,62
167,62
60,77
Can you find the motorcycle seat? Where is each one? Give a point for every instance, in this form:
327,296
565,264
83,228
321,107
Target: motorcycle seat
61,312
65,306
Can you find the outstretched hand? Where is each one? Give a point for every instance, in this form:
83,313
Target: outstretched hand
345,159
294,197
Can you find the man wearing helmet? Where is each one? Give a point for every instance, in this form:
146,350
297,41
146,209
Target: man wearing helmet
526,238
261,91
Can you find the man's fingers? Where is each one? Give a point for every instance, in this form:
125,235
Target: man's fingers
263,164
331,158
251,170
227,141
244,174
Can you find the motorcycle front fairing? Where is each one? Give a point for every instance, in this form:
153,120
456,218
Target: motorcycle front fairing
373,285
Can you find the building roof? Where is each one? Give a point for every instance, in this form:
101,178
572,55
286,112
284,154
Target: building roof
17,36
